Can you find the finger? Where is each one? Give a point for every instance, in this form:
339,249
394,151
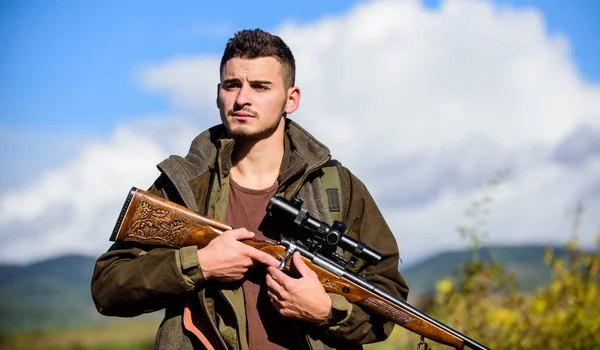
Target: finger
274,297
278,276
271,283
274,290
301,266
239,233
275,302
262,257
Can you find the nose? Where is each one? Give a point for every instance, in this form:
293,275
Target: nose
243,96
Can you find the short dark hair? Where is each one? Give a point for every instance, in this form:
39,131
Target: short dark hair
258,43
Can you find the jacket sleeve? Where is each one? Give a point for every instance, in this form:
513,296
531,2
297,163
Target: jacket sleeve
366,224
129,279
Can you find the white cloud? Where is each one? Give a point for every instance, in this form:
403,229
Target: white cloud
187,81
434,79
424,105
534,205
73,208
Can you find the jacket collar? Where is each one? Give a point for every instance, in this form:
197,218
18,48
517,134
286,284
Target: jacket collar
212,149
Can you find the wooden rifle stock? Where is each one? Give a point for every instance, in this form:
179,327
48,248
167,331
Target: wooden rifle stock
152,220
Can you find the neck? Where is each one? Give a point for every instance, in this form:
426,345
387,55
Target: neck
256,164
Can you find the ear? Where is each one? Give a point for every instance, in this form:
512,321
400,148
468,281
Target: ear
218,93
293,100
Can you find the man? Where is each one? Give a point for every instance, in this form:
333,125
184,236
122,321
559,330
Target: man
227,294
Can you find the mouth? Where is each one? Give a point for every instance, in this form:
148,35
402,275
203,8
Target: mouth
241,116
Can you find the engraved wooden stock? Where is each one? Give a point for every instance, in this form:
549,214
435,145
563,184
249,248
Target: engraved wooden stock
149,219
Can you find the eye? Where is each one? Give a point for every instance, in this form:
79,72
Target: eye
260,87
231,85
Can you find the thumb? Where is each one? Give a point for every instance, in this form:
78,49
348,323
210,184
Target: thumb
301,266
240,233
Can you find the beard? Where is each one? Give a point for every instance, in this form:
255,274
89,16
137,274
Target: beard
243,132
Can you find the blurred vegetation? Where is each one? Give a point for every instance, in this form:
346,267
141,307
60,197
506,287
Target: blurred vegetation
120,335
483,303
565,314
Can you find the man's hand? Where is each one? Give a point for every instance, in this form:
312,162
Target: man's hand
226,259
301,299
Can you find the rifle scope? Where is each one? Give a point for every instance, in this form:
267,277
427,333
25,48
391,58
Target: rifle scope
333,235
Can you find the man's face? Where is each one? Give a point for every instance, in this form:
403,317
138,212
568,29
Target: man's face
252,97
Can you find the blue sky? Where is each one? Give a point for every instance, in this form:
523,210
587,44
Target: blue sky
77,59
478,89
69,66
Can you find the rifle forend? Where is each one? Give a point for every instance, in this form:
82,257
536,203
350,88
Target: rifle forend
152,220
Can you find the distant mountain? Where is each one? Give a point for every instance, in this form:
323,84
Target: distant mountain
525,262
46,295
69,268
55,293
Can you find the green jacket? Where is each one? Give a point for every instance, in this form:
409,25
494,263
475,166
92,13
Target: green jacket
130,280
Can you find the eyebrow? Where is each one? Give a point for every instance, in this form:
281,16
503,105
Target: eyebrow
262,82
235,80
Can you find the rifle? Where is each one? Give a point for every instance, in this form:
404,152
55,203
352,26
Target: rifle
152,220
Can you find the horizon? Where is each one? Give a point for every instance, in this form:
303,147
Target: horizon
401,265
482,115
